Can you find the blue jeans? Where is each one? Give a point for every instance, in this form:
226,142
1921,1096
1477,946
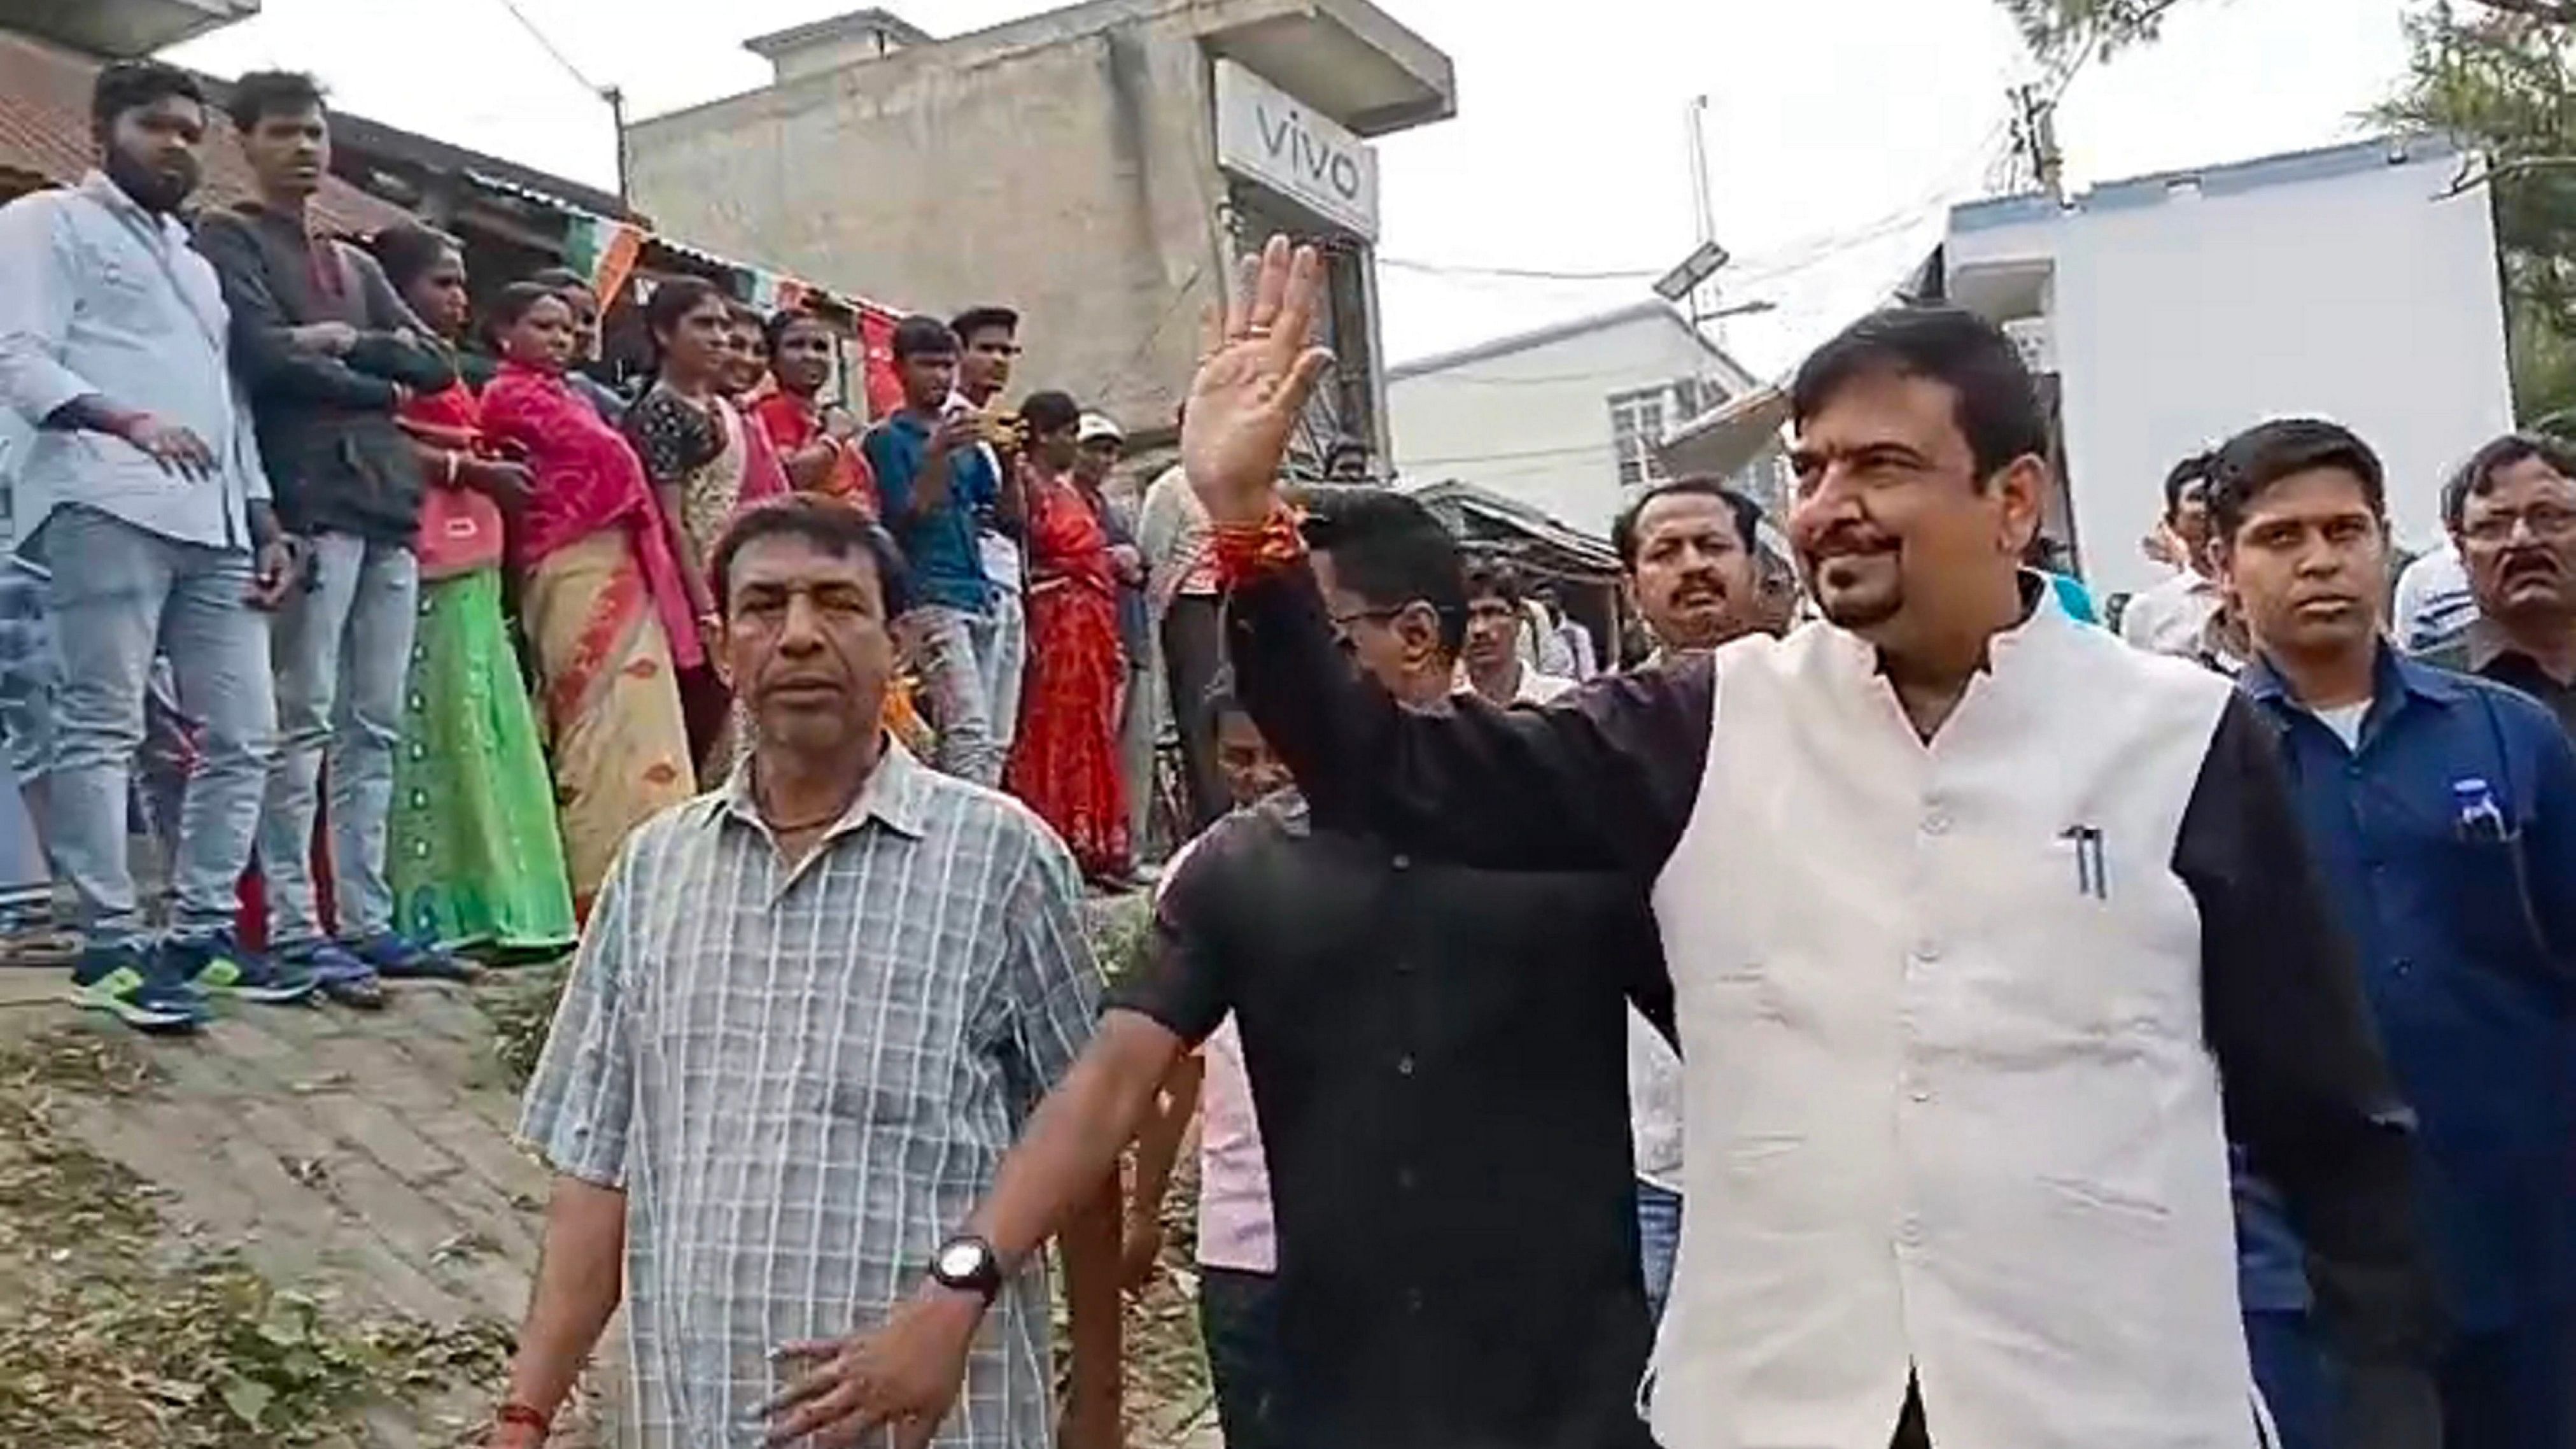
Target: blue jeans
118,593
1239,1318
1659,1238
343,658
2295,1376
1002,655
30,671
1002,637
953,693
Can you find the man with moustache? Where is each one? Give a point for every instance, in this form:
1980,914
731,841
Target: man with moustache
143,493
2443,808
1692,551
1942,1181
1434,1057
809,1009
1696,570
2512,516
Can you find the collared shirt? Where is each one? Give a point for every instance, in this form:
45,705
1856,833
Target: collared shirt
1437,1060
2433,600
2468,952
1004,566
2167,619
944,545
1953,1018
2482,650
1533,688
105,299
803,1077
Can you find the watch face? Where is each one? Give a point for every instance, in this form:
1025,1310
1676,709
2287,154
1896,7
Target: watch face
960,1261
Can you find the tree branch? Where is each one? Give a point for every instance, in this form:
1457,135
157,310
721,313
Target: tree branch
2470,179
2556,12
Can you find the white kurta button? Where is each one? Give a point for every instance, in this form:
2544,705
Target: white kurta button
1927,949
1936,822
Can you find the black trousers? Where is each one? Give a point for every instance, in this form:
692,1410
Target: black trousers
1193,638
1239,1318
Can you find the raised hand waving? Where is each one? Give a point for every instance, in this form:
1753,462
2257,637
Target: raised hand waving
1256,370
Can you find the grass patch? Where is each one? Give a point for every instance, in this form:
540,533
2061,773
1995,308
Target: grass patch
112,1334
520,1005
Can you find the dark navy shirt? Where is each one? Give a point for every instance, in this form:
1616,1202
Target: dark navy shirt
947,565
2467,942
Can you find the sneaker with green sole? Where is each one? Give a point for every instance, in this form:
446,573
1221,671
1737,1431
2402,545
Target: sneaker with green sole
219,965
127,983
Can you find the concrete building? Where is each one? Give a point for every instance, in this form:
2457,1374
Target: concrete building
1100,167
2163,314
1569,419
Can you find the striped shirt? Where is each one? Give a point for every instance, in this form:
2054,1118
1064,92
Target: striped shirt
804,1077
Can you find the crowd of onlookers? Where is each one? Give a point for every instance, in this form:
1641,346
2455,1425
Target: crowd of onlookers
429,621
478,647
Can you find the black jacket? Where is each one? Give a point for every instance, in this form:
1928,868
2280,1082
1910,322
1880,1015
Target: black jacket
326,424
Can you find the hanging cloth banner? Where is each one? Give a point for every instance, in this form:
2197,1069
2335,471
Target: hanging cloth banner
605,251
764,289
884,385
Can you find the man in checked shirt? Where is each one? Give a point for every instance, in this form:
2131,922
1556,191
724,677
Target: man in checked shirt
810,1011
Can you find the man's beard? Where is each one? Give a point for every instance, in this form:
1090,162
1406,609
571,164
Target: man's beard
150,189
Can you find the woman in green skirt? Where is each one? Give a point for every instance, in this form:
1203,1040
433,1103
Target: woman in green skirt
474,857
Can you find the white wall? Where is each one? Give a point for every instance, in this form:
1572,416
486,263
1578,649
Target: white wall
2359,297
1534,425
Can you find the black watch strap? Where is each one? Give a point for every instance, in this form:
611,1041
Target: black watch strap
968,1264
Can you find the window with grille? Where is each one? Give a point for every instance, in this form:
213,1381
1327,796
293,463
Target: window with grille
1639,420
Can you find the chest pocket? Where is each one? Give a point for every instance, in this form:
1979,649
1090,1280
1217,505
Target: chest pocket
2479,882
125,287
2083,944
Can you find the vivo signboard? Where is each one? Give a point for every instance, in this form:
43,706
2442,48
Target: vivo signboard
1265,135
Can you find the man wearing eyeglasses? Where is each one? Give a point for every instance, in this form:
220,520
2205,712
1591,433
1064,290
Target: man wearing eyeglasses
2512,515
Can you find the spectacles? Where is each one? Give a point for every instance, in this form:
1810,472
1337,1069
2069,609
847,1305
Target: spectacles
2548,523
1342,623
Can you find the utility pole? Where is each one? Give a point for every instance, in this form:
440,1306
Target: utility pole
616,98
1703,200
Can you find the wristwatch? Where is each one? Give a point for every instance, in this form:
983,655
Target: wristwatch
968,1265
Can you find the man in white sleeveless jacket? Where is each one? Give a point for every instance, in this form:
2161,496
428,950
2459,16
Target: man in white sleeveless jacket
1968,909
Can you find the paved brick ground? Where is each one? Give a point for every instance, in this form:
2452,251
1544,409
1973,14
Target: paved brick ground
364,1158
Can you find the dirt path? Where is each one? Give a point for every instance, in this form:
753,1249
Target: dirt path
311,1226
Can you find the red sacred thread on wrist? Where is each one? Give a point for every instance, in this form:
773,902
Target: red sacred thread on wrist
520,1416
1246,551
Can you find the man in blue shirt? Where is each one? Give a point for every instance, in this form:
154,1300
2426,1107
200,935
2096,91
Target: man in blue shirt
932,480
2442,811
143,492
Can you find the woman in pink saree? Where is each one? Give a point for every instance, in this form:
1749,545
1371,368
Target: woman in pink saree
610,614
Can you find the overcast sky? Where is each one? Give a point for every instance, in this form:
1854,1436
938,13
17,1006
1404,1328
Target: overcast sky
1837,128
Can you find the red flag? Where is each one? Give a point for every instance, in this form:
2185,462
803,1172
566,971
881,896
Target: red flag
884,386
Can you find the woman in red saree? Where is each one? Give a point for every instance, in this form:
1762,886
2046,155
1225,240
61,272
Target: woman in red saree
1065,761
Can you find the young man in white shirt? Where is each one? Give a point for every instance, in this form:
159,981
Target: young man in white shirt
2169,618
143,493
1491,664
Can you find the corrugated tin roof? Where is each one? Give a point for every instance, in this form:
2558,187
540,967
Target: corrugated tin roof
45,132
